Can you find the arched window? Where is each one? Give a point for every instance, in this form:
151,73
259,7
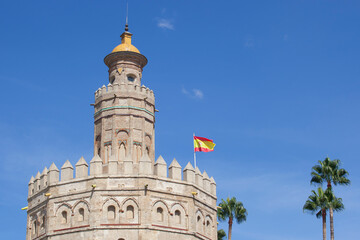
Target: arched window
129,212
122,151
34,227
208,228
137,152
178,217
98,144
111,212
42,226
81,215
160,214
199,225
64,219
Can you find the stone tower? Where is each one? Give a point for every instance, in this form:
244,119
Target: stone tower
122,194
124,111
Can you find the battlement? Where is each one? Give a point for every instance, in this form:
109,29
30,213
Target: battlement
128,87
127,169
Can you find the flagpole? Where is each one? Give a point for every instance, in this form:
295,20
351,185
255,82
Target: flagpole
194,152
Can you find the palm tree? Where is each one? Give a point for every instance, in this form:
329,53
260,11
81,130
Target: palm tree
231,209
335,204
329,171
318,203
221,234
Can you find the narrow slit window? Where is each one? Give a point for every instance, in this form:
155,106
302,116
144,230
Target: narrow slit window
160,214
81,215
64,217
129,212
111,213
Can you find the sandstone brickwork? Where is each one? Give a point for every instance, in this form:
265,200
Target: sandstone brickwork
122,193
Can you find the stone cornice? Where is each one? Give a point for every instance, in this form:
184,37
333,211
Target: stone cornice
126,56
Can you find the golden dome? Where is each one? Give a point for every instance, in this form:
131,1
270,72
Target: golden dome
125,44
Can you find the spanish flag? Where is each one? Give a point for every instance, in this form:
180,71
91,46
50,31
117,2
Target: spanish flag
203,144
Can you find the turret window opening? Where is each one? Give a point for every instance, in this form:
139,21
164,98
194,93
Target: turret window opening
111,212
112,79
129,212
34,227
199,226
178,217
64,217
160,214
98,145
131,78
42,223
208,228
81,215
122,152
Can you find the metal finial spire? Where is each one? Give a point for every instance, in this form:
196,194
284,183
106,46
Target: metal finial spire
127,16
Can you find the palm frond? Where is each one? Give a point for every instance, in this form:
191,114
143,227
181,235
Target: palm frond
231,208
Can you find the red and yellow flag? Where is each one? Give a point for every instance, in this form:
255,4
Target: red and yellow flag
203,144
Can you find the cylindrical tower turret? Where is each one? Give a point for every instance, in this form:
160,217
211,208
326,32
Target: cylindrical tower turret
124,110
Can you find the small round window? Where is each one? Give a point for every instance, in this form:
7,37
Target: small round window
131,78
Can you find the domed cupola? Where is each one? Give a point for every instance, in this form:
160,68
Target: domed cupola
125,58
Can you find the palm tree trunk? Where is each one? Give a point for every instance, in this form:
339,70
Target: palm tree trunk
230,227
331,217
324,223
331,224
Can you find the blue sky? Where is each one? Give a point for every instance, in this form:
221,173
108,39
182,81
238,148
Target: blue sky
274,83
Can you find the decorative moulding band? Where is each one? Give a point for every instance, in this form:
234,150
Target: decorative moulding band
71,228
123,107
182,229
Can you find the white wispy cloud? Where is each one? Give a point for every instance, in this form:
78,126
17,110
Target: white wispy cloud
198,93
165,24
194,93
249,41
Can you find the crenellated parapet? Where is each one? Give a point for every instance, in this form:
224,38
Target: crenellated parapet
122,195
124,88
145,168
